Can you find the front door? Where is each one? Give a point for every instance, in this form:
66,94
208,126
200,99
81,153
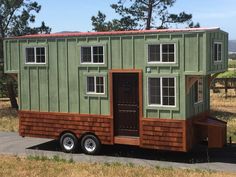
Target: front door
126,104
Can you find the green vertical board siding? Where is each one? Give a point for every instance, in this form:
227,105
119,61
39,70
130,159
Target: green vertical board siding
24,97
59,86
94,103
191,53
62,75
33,87
139,52
53,76
14,64
193,108
214,67
84,100
73,61
43,89
116,52
127,52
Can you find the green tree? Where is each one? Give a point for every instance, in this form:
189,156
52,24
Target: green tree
15,18
143,14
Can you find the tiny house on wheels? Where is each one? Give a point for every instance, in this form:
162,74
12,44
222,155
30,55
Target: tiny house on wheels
145,88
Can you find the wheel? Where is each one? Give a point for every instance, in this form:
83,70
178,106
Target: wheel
90,144
69,142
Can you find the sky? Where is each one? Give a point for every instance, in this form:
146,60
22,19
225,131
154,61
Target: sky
75,15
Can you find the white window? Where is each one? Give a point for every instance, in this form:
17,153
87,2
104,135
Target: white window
198,88
95,85
161,91
35,55
161,53
92,55
217,51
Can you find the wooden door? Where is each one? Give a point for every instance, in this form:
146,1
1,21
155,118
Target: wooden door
126,104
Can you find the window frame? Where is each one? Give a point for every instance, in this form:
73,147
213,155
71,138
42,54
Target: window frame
92,57
95,85
198,91
216,60
35,56
161,53
161,92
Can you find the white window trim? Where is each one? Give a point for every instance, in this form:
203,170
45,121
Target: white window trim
35,60
217,60
161,62
89,63
95,88
160,105
200,101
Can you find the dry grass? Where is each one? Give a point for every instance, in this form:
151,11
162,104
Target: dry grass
219,102
22,167
225,109
8,117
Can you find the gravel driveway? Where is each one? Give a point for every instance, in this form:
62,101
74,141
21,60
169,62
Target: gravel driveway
214,159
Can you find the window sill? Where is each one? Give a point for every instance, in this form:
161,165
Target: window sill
35,65
218,62
159,107
95,95
85,65
161,64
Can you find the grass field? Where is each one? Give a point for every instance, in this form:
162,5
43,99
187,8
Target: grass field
225,109
8,117
232,64
34,166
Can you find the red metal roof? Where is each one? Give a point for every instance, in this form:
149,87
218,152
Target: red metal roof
75,34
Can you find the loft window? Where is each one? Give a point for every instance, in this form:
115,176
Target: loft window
35,55
161,91
198,89
161,53
92,55
217,51
95,85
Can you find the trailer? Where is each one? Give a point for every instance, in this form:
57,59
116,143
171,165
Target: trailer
148,88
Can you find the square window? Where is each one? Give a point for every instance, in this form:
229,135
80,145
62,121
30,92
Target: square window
35,55
161,91
161,53
95,85
92,54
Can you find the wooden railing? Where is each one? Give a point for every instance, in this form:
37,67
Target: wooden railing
224,84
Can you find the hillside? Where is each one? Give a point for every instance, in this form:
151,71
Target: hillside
232,45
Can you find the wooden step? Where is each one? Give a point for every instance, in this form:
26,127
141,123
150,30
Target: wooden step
128,140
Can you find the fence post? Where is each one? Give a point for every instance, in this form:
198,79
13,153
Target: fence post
226,87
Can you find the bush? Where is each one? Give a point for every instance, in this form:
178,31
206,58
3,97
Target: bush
3,83
227,74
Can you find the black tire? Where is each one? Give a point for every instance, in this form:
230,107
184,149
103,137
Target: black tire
90,144
69,142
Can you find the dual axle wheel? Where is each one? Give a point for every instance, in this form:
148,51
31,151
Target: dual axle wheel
90,144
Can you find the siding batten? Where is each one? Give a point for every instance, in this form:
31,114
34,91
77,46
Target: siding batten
58,82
